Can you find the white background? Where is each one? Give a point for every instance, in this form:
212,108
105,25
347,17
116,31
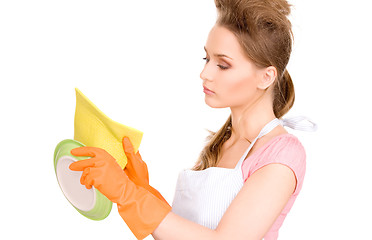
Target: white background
139,62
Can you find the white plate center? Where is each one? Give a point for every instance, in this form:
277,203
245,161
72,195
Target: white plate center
78,195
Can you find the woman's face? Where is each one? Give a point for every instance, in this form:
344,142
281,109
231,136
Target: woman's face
231,78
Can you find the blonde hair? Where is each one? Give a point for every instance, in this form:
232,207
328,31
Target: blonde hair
265,34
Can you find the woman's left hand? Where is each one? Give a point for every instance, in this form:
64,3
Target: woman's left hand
101,171
136,169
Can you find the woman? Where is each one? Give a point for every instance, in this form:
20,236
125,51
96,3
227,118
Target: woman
251,171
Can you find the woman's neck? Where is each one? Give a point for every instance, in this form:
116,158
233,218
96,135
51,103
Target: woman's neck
252,120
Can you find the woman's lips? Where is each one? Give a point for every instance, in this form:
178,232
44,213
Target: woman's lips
207,91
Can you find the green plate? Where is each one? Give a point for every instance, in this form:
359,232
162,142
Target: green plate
89,202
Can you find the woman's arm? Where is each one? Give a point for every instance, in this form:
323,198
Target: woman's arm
250,215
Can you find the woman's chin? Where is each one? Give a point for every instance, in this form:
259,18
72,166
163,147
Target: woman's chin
213,104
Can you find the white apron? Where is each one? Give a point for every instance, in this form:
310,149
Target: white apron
203,196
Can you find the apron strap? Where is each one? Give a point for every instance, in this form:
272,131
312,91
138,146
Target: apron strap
296,123
299,123
266,129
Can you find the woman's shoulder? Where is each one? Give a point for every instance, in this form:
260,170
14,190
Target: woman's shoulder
284,143
285,149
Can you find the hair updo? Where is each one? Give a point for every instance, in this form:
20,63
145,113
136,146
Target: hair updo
265,35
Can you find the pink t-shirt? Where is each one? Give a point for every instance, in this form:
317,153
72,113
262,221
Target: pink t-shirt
284,149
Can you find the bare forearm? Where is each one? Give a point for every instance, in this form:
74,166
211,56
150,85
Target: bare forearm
174,227
250,215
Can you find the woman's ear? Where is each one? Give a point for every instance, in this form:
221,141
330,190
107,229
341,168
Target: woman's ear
267,78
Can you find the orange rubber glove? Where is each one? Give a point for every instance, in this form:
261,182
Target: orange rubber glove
136,168
140,209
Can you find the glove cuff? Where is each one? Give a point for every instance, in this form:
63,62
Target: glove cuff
142,211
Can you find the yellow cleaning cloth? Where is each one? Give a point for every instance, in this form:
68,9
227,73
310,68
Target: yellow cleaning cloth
94,129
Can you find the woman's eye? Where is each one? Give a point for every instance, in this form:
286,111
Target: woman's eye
220,66
223,67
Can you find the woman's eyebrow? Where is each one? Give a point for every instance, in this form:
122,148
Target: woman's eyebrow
218,54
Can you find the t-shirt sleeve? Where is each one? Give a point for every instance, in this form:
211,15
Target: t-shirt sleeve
287,151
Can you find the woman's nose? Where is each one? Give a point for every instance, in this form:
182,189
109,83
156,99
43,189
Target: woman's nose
205,74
